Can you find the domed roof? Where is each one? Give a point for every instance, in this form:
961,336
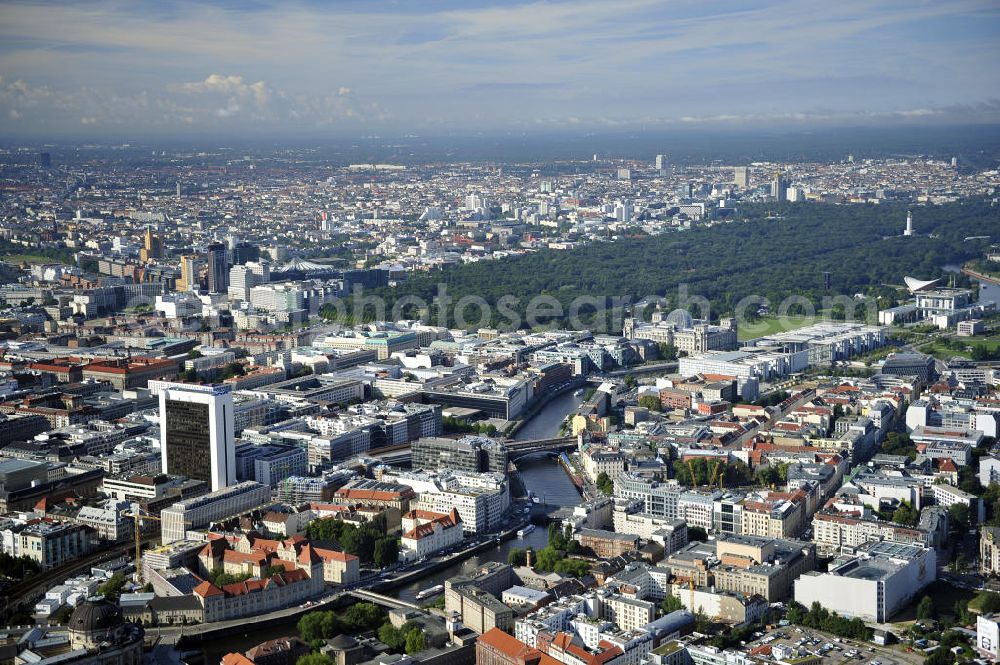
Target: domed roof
680,318
343,642
95,614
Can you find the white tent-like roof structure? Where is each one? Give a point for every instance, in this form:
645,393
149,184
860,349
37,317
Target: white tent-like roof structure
915,285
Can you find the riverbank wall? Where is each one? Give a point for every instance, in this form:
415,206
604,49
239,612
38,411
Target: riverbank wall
539,405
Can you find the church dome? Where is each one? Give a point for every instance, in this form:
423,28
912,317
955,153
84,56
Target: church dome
95,614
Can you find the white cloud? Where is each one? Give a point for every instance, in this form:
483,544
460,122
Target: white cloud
228,85
501,65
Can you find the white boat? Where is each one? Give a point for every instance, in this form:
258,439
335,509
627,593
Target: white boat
433,591
578,393
521,533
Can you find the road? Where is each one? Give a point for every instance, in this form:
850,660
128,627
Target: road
637,370
173,634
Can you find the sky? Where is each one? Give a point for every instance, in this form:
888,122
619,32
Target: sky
260,68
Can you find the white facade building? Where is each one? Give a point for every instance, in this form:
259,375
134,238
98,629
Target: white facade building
197,437
201,511
874,585
988,635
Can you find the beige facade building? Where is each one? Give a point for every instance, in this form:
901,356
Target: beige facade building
989,550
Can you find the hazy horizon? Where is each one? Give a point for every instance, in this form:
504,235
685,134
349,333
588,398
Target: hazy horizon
264,70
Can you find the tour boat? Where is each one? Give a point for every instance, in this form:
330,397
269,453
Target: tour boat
433,591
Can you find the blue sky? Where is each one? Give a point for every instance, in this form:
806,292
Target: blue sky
115,68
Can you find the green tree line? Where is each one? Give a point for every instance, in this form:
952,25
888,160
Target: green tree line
773,250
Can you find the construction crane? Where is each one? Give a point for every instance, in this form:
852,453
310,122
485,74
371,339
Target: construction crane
694,478
137,518
716,475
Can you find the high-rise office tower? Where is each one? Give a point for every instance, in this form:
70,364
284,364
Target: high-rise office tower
189,272
778,186
196,433
178,189
152,246
909,224
661,162
623,211
245,252
242,278
218,268
741,176
44,160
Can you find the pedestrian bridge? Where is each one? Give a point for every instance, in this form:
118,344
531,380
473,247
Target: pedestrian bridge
516,449
385,601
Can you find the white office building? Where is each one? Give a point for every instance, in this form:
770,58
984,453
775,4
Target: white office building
873,585
197,433
201,511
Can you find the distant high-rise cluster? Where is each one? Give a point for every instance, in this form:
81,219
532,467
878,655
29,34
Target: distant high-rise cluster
152,247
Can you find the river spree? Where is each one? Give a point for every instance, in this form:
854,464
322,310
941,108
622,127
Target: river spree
546,422
540,475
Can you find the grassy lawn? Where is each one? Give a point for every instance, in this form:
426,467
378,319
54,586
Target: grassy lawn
991,342
27,258
773,324
941,350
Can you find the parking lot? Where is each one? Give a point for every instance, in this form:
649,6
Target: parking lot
834,650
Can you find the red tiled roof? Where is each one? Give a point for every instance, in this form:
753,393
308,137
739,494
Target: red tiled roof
334,555
253,586
123,366
515,650
255,558
206,589
308,555
947,465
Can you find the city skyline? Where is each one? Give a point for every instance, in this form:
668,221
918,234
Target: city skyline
177,69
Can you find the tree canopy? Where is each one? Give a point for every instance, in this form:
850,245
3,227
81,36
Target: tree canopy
773,250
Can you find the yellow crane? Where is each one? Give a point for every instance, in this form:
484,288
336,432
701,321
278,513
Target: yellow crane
137,518
694,478
716,475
